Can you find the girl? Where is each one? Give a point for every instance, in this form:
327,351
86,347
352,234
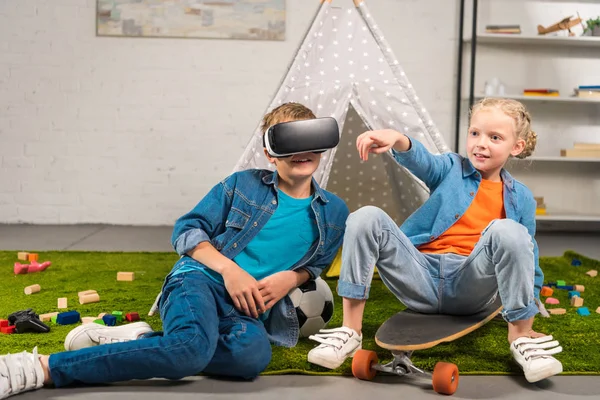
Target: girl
472,240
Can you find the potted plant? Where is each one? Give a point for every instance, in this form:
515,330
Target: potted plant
593,27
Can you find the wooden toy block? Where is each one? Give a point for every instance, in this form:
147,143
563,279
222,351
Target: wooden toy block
101,315
47,317
32,257
8,330
583,311
546,291
579,288
574,293
99,321
119,315
3,323
89,298
565,287
32,289
68,318
592,272
561,283
86,292
22,255
125,276
53,318
109,320
557,311
87,320
576,301
132,316
598,310
552,300
62,302
575,262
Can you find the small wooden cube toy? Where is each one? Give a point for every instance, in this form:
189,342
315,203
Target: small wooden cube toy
546,291
574,293
47,317
109,320
557,311
62,302
593,273
118,315
579,288
32,289
89,298
132,316
552,300
68,318
8,329
598,310
3,323
561,283
583,311
32,257
87,320
576,301
22,255
125,276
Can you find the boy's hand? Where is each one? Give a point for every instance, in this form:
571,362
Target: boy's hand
243,289
274,287
376,142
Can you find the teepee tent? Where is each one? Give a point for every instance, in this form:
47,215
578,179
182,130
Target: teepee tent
345,69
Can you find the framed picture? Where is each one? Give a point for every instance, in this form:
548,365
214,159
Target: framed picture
215,19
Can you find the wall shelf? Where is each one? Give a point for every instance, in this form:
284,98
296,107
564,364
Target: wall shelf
512,39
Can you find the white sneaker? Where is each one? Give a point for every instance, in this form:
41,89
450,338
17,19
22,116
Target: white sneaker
336,346
535,357
89,335
20,372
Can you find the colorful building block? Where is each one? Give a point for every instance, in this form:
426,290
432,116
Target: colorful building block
546,291
118,315
125,276
109,320
7,330
557,311
579,288
89,298
132,316
22,255
87,320
32,257
32,289
53,318
48,317
4,323
561,283
592,272
576,301
552,300
99,322
598,310
574,293
62,302
583,311
575,262
565,287
68,318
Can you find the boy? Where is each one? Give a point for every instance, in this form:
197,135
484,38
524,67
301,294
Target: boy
254,237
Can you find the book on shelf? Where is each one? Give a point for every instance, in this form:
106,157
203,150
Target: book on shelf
578,152
586,146
587,91
541,92
503,29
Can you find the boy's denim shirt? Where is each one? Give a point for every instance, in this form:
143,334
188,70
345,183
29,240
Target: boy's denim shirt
453,183
236,209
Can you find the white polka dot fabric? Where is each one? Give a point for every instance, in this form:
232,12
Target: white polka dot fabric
346,70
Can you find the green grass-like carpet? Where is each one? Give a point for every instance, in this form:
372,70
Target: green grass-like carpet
485,351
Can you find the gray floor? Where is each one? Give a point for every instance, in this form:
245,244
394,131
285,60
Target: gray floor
118,238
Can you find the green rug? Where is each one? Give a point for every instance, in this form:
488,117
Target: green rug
483,352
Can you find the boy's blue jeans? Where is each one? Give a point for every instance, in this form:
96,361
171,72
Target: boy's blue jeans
203,332
501,263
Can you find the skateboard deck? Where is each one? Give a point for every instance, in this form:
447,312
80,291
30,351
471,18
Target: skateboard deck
409,330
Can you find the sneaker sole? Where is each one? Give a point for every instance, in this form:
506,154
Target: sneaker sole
544,373
323,362
83,328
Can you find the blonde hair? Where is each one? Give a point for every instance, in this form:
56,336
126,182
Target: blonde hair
519,114
286,112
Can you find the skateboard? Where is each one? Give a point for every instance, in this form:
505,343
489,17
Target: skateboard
408,331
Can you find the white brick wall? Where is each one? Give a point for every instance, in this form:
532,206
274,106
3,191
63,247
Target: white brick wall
136,131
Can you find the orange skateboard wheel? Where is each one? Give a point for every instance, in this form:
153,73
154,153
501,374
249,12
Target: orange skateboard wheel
361,364
445,378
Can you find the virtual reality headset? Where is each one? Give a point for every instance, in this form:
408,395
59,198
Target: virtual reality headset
305,136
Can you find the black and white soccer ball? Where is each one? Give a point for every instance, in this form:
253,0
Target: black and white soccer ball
314,306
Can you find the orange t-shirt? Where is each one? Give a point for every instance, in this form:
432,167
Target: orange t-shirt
461,237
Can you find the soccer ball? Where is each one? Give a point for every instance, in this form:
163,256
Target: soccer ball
314,306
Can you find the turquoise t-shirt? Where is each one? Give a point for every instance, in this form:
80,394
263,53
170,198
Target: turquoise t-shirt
281,243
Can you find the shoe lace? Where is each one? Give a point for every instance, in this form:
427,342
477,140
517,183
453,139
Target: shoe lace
19,372
532,348
336,337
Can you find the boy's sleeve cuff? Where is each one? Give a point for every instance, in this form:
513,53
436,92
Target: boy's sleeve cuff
189,240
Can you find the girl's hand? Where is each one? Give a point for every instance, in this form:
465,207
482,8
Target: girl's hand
376,142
